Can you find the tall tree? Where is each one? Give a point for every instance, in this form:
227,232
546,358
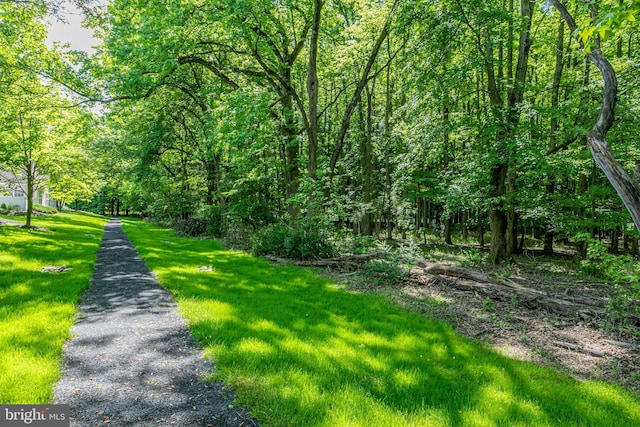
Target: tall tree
625,186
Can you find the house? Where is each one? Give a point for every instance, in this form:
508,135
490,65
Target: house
12,192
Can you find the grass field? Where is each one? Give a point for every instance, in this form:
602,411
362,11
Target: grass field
37,309
300,351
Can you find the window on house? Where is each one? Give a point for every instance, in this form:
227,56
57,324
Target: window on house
18,193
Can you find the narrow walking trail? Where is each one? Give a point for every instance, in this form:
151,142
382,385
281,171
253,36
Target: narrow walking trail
132,360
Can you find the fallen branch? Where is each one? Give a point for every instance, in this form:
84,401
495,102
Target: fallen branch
462,273
621,344
579,348
470,280
333,262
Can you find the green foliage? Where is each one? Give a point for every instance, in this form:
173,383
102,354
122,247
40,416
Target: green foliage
471,257
191,227
305,240
5,209
488,305
622,272
270,240
44,209
207,221
348,243
608,24
212,216
386,271
298,350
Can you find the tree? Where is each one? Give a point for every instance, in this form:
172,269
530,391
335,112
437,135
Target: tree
625,186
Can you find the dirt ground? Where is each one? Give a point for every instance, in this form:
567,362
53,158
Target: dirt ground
586,347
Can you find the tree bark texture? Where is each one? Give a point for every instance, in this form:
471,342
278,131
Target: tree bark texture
312,90
502,222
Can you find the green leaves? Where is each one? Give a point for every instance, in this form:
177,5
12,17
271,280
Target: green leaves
591,31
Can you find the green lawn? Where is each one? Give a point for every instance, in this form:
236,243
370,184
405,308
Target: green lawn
299,351
37,309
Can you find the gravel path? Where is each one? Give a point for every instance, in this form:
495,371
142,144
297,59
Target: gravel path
132,360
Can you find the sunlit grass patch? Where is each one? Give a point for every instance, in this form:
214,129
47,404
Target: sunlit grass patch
298,350
37,309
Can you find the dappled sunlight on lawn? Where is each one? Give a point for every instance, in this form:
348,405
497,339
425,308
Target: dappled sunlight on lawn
37,309
300,351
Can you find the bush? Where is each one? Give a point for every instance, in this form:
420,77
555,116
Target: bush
385,271
392,269
307,241
303,241
9,209
44,209
622,272
270,240
212,216
190,227
237,235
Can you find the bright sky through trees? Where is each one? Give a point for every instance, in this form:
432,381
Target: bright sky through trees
72,31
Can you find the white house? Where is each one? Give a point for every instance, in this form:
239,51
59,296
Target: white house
12,192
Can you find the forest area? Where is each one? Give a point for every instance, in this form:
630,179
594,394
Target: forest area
508,129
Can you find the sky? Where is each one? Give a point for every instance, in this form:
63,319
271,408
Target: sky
72,31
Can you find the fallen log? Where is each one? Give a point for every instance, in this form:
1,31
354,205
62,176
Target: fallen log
462,273
621,344
579,348
357,259
470,280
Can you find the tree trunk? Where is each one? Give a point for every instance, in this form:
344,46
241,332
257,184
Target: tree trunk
448,225
367,164
312,92
465,227
388,111
553,131
498,225
501,222
626,188
31,170
292,150
615,238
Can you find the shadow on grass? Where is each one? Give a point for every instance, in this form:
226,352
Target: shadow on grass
300,351
37,309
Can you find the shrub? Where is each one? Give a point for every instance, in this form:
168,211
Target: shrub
190,227
44,209
270,240
393,268
471,257
303,241
212,216
621,272
307,241
385,271
237,235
